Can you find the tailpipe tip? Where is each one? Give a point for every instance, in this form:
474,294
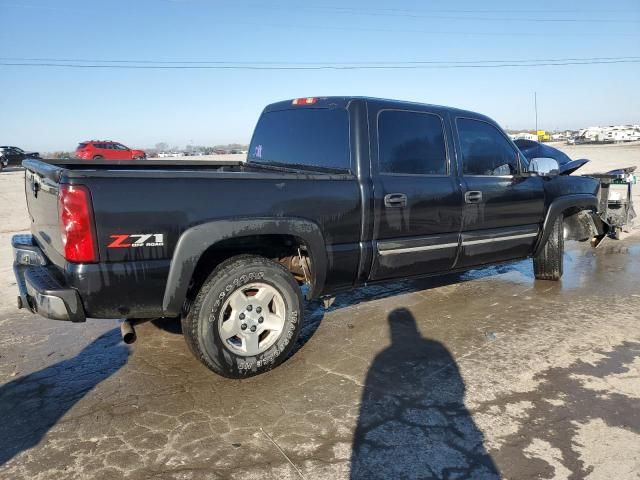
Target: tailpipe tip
128,332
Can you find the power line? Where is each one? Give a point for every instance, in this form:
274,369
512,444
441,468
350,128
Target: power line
281,26
270,5
423,13
436,14
477,10
282,64
317,67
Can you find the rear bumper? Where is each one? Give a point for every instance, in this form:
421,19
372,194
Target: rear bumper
41,287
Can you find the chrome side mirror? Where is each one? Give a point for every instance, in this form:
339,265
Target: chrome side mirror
544,166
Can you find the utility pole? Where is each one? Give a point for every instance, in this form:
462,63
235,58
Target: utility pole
535,104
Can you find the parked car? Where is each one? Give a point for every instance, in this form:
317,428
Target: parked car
107,150
169,154
14,156
336,193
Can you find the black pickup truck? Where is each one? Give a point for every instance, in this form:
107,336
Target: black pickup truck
336,193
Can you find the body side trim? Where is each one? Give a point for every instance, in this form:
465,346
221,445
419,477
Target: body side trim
498,239
415,249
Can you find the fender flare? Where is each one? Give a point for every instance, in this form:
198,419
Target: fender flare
196,240
581,201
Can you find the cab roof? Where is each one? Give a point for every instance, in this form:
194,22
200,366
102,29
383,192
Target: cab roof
343,102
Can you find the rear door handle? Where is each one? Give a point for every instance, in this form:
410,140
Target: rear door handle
473,196
395,200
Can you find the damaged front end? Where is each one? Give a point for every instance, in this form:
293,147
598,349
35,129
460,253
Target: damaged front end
615,211
586,225
615,205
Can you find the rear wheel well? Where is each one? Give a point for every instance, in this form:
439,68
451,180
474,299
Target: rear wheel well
288,250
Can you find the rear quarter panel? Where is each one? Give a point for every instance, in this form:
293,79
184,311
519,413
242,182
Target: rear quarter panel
167,205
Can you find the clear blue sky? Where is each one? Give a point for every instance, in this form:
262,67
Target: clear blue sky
55,108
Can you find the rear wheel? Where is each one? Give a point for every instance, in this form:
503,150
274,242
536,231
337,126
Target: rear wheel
548,263
246,317
139,158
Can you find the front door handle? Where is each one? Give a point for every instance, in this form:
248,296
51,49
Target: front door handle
473,196
395,200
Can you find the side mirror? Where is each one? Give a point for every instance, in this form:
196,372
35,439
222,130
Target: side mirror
544,166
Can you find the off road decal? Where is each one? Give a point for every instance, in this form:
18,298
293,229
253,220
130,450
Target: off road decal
137,240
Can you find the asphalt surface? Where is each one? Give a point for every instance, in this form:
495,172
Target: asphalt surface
489,374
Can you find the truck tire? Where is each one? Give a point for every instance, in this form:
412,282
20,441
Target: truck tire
547,264
246,317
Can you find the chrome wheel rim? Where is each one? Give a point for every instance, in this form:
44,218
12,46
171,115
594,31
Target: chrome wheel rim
252,319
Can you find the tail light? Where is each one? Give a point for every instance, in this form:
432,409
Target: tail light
76,224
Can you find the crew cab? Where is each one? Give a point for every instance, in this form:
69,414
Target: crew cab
336,193
107,150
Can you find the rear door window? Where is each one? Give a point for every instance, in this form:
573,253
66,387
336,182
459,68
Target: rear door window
312,138
411,143
485,150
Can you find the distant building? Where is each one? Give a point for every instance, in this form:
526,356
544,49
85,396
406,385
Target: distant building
610,134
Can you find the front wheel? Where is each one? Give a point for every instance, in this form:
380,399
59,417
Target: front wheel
246,317
548,263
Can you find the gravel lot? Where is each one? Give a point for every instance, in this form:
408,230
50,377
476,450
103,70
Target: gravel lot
489,374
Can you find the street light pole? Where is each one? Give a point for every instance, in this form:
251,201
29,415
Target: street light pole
535,104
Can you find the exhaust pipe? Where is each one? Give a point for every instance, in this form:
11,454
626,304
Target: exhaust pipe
128,332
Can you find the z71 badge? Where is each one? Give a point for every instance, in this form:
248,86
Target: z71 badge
137,240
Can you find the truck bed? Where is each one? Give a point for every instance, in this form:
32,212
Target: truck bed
173,164
164,199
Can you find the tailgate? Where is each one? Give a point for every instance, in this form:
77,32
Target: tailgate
41,189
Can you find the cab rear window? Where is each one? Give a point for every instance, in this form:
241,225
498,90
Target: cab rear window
311,138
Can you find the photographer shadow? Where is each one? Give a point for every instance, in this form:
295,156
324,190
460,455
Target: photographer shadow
413,422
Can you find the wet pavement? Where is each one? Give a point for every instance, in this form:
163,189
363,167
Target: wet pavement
484,375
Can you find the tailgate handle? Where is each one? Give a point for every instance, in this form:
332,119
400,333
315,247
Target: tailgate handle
35,186
473,196
395,200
